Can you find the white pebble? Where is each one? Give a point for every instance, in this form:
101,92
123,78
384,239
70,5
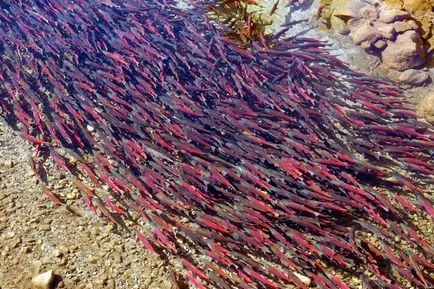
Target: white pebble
44,280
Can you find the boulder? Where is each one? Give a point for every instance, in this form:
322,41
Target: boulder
426,107
414,76
405,25
386,30
368,12
392,15
339,25
365,33
405,53
410,36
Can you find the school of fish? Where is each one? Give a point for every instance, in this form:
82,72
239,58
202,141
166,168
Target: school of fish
266,159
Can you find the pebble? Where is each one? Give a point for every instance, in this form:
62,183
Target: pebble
57,253
71,195
45,228
15,241
59,186
102,280
5,251
7,164
44,280
24,250
110,284
380,44
94,231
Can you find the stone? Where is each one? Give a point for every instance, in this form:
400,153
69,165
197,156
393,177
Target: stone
414,76
368,12
385,30
8,164
57,253
405,53
426,107
392,15
44,280
346,9
410,36
365,33
71,195
380,44
339,25
402,26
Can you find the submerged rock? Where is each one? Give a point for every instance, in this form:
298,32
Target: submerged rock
414,76
393,15
405,53
426,107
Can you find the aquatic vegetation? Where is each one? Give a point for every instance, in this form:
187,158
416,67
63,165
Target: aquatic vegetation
245,27
263,161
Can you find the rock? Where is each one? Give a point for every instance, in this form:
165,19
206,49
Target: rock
57,253
14,242
5,251
365,33
346,9
71,195
402,26
44,280
426,107
102,280
385,30
368,12
7,164
10,234
414,76
392,15
409,36
339,25
405,53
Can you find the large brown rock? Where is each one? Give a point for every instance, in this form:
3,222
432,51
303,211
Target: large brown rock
369,13
414,76
365,34
392,15
426,107
386,30
405,53
402,26
339,25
